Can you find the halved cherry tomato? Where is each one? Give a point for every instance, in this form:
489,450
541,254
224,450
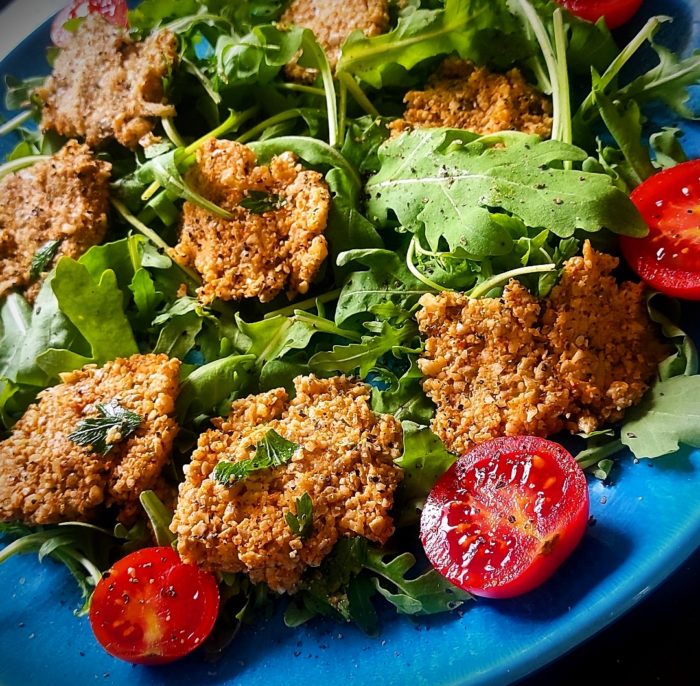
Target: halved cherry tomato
151,608
114,11
503,518
616,12
668,258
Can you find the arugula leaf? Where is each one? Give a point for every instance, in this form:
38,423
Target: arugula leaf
667,416
668,151
302,522
42,258
113,425
431,179
424,34
15,317
363,355
427,594
259,202
423,461
403,397
159,516
272,451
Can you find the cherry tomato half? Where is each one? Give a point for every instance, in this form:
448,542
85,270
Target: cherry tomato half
616,12
668,258
505,515
114,11
151,608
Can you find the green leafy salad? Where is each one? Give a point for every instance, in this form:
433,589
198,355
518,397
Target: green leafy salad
426,210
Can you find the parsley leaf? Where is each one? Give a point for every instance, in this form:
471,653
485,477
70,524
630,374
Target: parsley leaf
259,202
42,258
102,433
272,451
302,523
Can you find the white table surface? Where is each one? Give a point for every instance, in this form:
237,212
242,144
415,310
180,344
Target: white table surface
21,17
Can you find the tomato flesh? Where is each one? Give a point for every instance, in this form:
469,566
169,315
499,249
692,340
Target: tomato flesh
503,518
616,12
114,11
668,258
151,608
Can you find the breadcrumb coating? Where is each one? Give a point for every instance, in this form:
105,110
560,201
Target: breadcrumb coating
45,478
332,21
104,85
517,365
64,198
257,253
461,95
345,463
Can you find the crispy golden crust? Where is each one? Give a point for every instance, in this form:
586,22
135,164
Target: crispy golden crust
332,21
46,478
463,96
64,198
345,464
516,365
106,86
253,254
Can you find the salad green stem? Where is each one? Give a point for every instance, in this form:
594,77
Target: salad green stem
358,94
21,163
343,106
151,235
565,132
184,23
172,133
325,326
301,88
15,122
305,304
260,128
310,44
587,110
486,286
591,456
410,254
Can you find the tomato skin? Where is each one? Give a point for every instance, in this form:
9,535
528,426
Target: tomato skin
114,11
151,608
505,516
616,12
668,258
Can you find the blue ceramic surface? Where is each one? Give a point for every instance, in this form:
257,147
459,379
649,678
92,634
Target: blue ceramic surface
647,523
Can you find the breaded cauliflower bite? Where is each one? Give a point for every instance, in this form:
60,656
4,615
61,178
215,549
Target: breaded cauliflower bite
345,463
517,365
64,199
461,95
104,85
276,243
332,21
46,478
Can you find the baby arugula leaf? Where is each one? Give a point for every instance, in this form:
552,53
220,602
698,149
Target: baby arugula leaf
431,179
403,396
113,425
272,451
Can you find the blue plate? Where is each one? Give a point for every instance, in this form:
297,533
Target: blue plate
647,524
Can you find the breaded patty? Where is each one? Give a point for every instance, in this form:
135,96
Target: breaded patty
517,365
104,85
345,463
64,198
276,244
461,95
332,21
46,478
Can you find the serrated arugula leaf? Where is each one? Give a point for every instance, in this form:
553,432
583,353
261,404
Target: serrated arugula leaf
423,34
364,355
272,451
403,396
427,594
431,179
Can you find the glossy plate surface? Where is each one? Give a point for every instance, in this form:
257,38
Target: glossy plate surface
647,523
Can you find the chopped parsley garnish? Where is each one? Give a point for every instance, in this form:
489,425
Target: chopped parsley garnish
302,523
102,433
259,202
272,451
42,258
